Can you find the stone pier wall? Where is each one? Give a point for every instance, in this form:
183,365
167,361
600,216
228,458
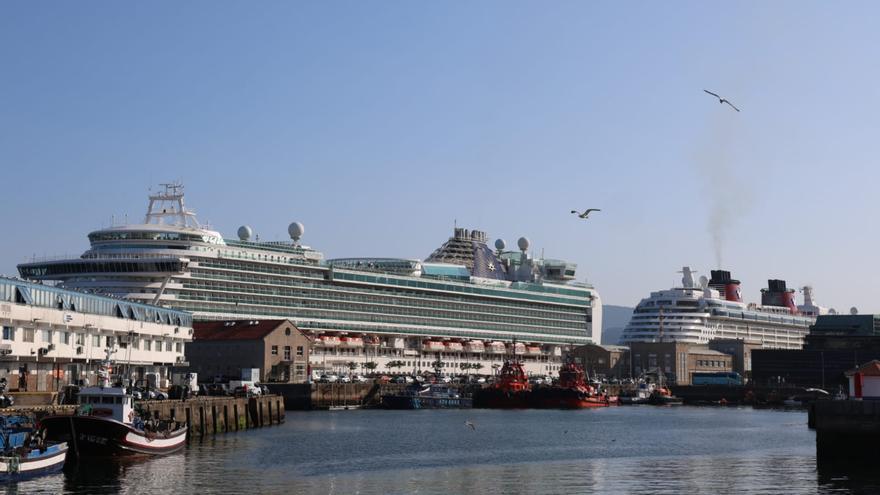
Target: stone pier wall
212,415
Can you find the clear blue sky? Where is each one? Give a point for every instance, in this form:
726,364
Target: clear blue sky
378,124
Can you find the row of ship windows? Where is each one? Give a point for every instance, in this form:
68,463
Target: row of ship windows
153,236
466,289
378,293
426,319
222,264
750,316
365,299
260,268
556,337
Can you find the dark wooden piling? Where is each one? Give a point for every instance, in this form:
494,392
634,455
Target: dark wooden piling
212,413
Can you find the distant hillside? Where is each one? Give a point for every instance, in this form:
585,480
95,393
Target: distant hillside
614,319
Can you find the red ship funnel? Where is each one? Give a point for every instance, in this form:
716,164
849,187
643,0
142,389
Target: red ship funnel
789,302
732,291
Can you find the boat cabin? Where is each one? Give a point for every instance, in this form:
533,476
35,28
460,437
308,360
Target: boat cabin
111,402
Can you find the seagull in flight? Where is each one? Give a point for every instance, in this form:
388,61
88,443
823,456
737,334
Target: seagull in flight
473,426
722,100
585,214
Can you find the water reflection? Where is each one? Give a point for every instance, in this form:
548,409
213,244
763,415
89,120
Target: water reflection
615,450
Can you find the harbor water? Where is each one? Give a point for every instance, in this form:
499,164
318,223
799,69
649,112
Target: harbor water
638,449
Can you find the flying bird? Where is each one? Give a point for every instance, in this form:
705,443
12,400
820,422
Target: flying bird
722,100
585,214
468,423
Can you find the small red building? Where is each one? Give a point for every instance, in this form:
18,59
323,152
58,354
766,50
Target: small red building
864,382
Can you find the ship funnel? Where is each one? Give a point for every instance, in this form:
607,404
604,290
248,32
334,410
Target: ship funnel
777,294
726,286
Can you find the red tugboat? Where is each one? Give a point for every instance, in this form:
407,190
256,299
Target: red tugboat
572,391
510,391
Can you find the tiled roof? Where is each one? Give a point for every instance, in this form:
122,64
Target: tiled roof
871,368
235,330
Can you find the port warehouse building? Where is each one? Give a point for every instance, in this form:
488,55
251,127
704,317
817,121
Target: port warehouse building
678,361
53,337
221,349
835,345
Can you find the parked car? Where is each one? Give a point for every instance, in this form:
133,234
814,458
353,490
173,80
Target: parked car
359,379
218,389
248,391
328,379
345,379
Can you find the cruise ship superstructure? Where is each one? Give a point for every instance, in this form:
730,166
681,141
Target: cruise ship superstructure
714,309
466,303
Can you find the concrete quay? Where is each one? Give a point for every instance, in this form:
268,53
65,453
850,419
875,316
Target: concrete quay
846,430
212,415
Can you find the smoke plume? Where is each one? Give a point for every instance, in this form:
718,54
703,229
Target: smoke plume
725,190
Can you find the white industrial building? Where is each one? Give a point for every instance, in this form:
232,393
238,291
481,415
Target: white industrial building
53,337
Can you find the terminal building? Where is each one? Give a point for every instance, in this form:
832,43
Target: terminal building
835,345
53,337
677,361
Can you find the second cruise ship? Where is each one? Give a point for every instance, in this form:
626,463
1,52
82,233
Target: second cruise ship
715,309
467,305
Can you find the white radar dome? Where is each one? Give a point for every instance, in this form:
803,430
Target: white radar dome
296,230
500,244
523,243
245,233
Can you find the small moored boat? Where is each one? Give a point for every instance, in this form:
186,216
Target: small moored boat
438,396
25,451
107,423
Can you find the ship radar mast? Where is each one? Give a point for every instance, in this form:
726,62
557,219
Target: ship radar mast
687,279
167,208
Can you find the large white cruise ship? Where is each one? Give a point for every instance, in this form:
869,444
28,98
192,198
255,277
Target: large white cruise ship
467,305
715,309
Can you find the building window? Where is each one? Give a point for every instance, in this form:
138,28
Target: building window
299,350
28,334
148,345
80,339
287,353
135,343
47,336
109,340
178,347
274,350
8,333
65,338
168,346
